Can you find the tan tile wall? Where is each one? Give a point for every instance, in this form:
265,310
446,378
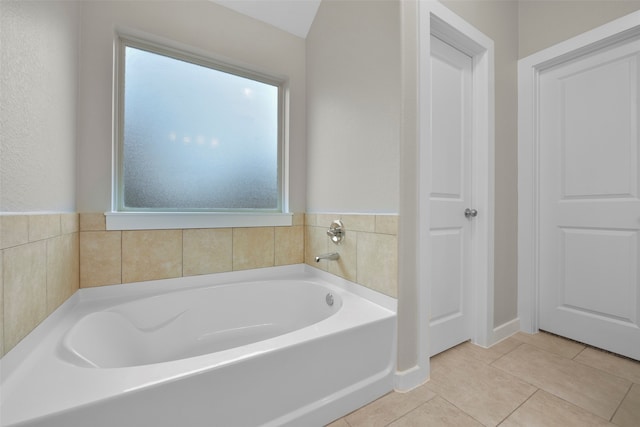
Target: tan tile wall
368,253
39,270
46,258
113,257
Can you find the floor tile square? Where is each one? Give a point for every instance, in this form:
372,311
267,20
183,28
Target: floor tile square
485,393
628,414
584,386
616,365
551,343
546,410
488,355
436,412
389,408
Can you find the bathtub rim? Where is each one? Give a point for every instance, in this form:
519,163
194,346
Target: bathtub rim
12,360
58,322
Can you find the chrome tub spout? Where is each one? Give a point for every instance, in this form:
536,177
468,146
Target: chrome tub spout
333,256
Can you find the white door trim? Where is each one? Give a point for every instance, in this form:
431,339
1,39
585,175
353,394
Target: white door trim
436,19
529,70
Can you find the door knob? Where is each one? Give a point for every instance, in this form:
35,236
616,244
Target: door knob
470,213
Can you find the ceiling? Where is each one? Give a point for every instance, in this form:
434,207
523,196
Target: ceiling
293,16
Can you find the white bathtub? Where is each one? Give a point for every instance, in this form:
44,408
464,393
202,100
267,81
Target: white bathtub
260,347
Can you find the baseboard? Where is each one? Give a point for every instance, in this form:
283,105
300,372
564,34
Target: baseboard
505,330
405,381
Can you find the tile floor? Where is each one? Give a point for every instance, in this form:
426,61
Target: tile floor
525,380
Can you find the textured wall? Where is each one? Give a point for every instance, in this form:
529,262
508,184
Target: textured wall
38,92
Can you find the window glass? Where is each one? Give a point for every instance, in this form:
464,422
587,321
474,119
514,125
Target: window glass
196,138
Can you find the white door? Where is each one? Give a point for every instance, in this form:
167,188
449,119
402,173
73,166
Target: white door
589,202
450,230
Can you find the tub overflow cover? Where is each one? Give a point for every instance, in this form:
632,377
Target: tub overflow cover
329,299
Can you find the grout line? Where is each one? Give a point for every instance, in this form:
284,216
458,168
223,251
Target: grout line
602,370
458,408
520,405
504,354
273,260
620,404
233,258
579,353
407,413
121,254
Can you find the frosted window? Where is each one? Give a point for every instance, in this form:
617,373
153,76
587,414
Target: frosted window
196,138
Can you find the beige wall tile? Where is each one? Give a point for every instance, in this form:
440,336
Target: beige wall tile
387,224
346,265
628,414
289,245
324,220
93,221
298,219
207,251
377,262
253,247
100,258
75,262
43,226
311,219
69,223
1,304
359,223
25,293
62,269
151,255
14,230
315,243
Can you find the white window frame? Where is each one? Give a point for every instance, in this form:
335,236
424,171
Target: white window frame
121,219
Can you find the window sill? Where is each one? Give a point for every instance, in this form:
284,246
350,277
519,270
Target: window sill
179,220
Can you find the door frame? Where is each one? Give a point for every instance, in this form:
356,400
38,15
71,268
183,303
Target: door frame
414,287
437,20
529,70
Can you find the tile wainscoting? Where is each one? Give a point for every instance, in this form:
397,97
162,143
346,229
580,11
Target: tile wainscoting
47,257
368,253
39,264
114,257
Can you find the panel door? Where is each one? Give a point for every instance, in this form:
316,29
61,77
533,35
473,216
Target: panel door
589,204
450,230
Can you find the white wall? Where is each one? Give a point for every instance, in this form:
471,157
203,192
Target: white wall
562,20
203,25
38,92
353,107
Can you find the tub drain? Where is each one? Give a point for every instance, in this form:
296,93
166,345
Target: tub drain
329,299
